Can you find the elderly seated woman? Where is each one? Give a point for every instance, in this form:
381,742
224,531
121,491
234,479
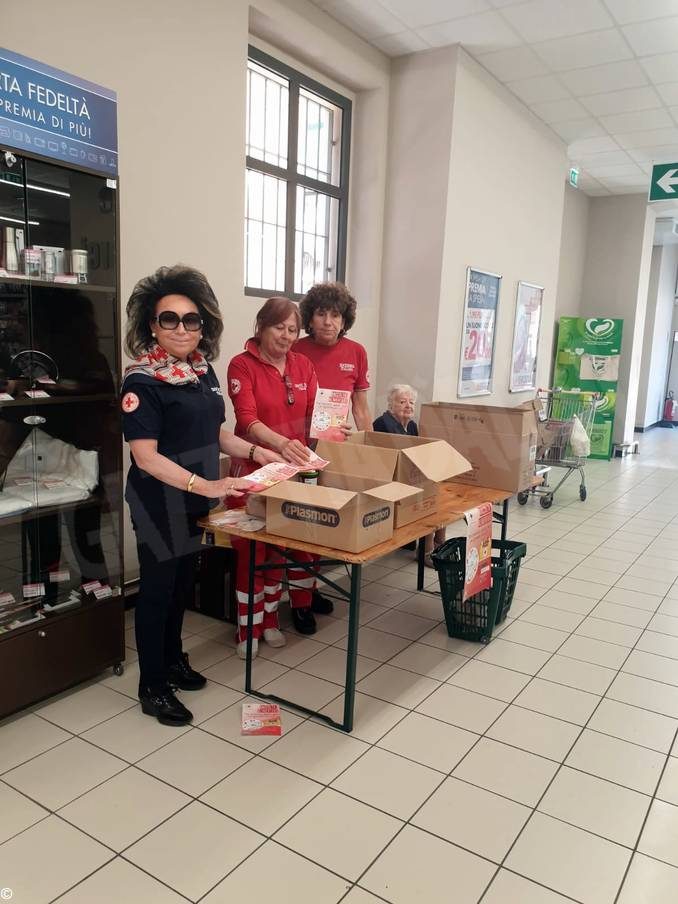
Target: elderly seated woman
398,418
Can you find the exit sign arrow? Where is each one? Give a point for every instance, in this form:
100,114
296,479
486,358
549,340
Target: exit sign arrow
664,182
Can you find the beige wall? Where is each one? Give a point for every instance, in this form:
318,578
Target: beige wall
615,284
658,336
474,180
573,246
420,136
504,214
179,72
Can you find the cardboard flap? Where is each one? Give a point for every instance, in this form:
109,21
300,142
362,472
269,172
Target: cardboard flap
395,492
359,460
437,460
328,497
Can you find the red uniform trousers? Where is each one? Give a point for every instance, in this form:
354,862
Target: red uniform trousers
268,585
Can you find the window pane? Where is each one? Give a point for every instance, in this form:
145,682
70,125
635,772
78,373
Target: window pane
267,110
265,212
319,152
315,239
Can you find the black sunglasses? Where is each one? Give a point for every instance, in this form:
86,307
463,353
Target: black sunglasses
170,320
290,390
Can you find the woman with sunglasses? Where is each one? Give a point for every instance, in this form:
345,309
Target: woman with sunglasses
273,390
173,412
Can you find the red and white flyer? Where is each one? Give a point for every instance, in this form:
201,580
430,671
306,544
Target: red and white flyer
261,719
478,550
330,410
277,471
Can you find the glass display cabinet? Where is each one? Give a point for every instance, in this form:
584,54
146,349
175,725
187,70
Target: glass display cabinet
61,605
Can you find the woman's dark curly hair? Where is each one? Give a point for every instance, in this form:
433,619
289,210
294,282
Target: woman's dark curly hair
332,296
176,280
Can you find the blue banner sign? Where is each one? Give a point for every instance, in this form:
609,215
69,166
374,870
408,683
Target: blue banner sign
53,114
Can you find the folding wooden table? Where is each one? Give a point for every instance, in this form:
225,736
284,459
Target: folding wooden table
453,500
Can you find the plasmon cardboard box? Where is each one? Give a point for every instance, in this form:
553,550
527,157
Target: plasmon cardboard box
408,502
341,518
500,442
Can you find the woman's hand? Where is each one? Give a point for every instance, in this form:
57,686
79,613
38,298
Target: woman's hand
295,452
346,429
229,486
266,456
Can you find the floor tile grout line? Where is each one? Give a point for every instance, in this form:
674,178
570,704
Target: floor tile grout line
562,765
644,823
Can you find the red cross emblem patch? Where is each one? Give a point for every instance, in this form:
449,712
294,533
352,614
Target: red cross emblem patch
130,402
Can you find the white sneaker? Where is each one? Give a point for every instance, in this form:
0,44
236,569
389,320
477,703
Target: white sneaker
241,649
274,637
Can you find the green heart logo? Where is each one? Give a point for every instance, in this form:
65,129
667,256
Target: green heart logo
600,327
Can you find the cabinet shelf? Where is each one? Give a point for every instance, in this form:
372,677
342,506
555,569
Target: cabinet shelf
44,510
81,439
58,400
50,284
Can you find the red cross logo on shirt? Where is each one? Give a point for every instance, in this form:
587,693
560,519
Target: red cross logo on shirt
130,402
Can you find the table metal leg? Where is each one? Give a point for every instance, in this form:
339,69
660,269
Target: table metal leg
250,617
352,647
504,519
421,553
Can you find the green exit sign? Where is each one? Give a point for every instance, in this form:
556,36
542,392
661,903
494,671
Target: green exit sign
574,176
664,182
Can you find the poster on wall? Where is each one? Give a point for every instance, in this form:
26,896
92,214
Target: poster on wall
587,358
480,319
526,337
54,114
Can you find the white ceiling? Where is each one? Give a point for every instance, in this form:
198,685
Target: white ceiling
603,74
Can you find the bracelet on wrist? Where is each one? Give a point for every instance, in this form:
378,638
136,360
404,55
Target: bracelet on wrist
253,449
191,481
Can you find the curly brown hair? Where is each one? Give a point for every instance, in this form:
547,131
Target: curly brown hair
176,280
328,296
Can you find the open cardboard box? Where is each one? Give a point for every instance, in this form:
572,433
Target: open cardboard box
383,457
500,442
342,512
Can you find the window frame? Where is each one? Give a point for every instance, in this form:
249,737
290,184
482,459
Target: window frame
297,81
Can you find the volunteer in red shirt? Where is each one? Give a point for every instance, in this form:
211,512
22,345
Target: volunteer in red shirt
327,314
273,390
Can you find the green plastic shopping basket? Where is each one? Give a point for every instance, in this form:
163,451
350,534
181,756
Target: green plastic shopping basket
475,618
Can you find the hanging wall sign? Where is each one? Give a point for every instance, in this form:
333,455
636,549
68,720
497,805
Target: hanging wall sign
480,318
53,114
526,337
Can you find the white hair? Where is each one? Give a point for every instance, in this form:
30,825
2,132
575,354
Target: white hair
398,389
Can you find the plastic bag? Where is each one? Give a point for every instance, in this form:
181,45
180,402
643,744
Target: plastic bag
579,441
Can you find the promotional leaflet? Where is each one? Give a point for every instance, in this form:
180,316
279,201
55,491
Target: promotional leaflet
526,337
261,719
478,574
587,359
329,412
277,471
480,317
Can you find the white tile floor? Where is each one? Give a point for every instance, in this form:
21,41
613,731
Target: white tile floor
540,769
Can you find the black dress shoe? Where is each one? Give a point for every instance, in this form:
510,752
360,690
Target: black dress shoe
164,706
183,676
304,620
321,604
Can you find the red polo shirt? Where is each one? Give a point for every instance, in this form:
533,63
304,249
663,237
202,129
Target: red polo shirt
259,393
339,366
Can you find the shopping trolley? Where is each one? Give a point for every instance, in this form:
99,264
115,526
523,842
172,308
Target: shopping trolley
560,410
